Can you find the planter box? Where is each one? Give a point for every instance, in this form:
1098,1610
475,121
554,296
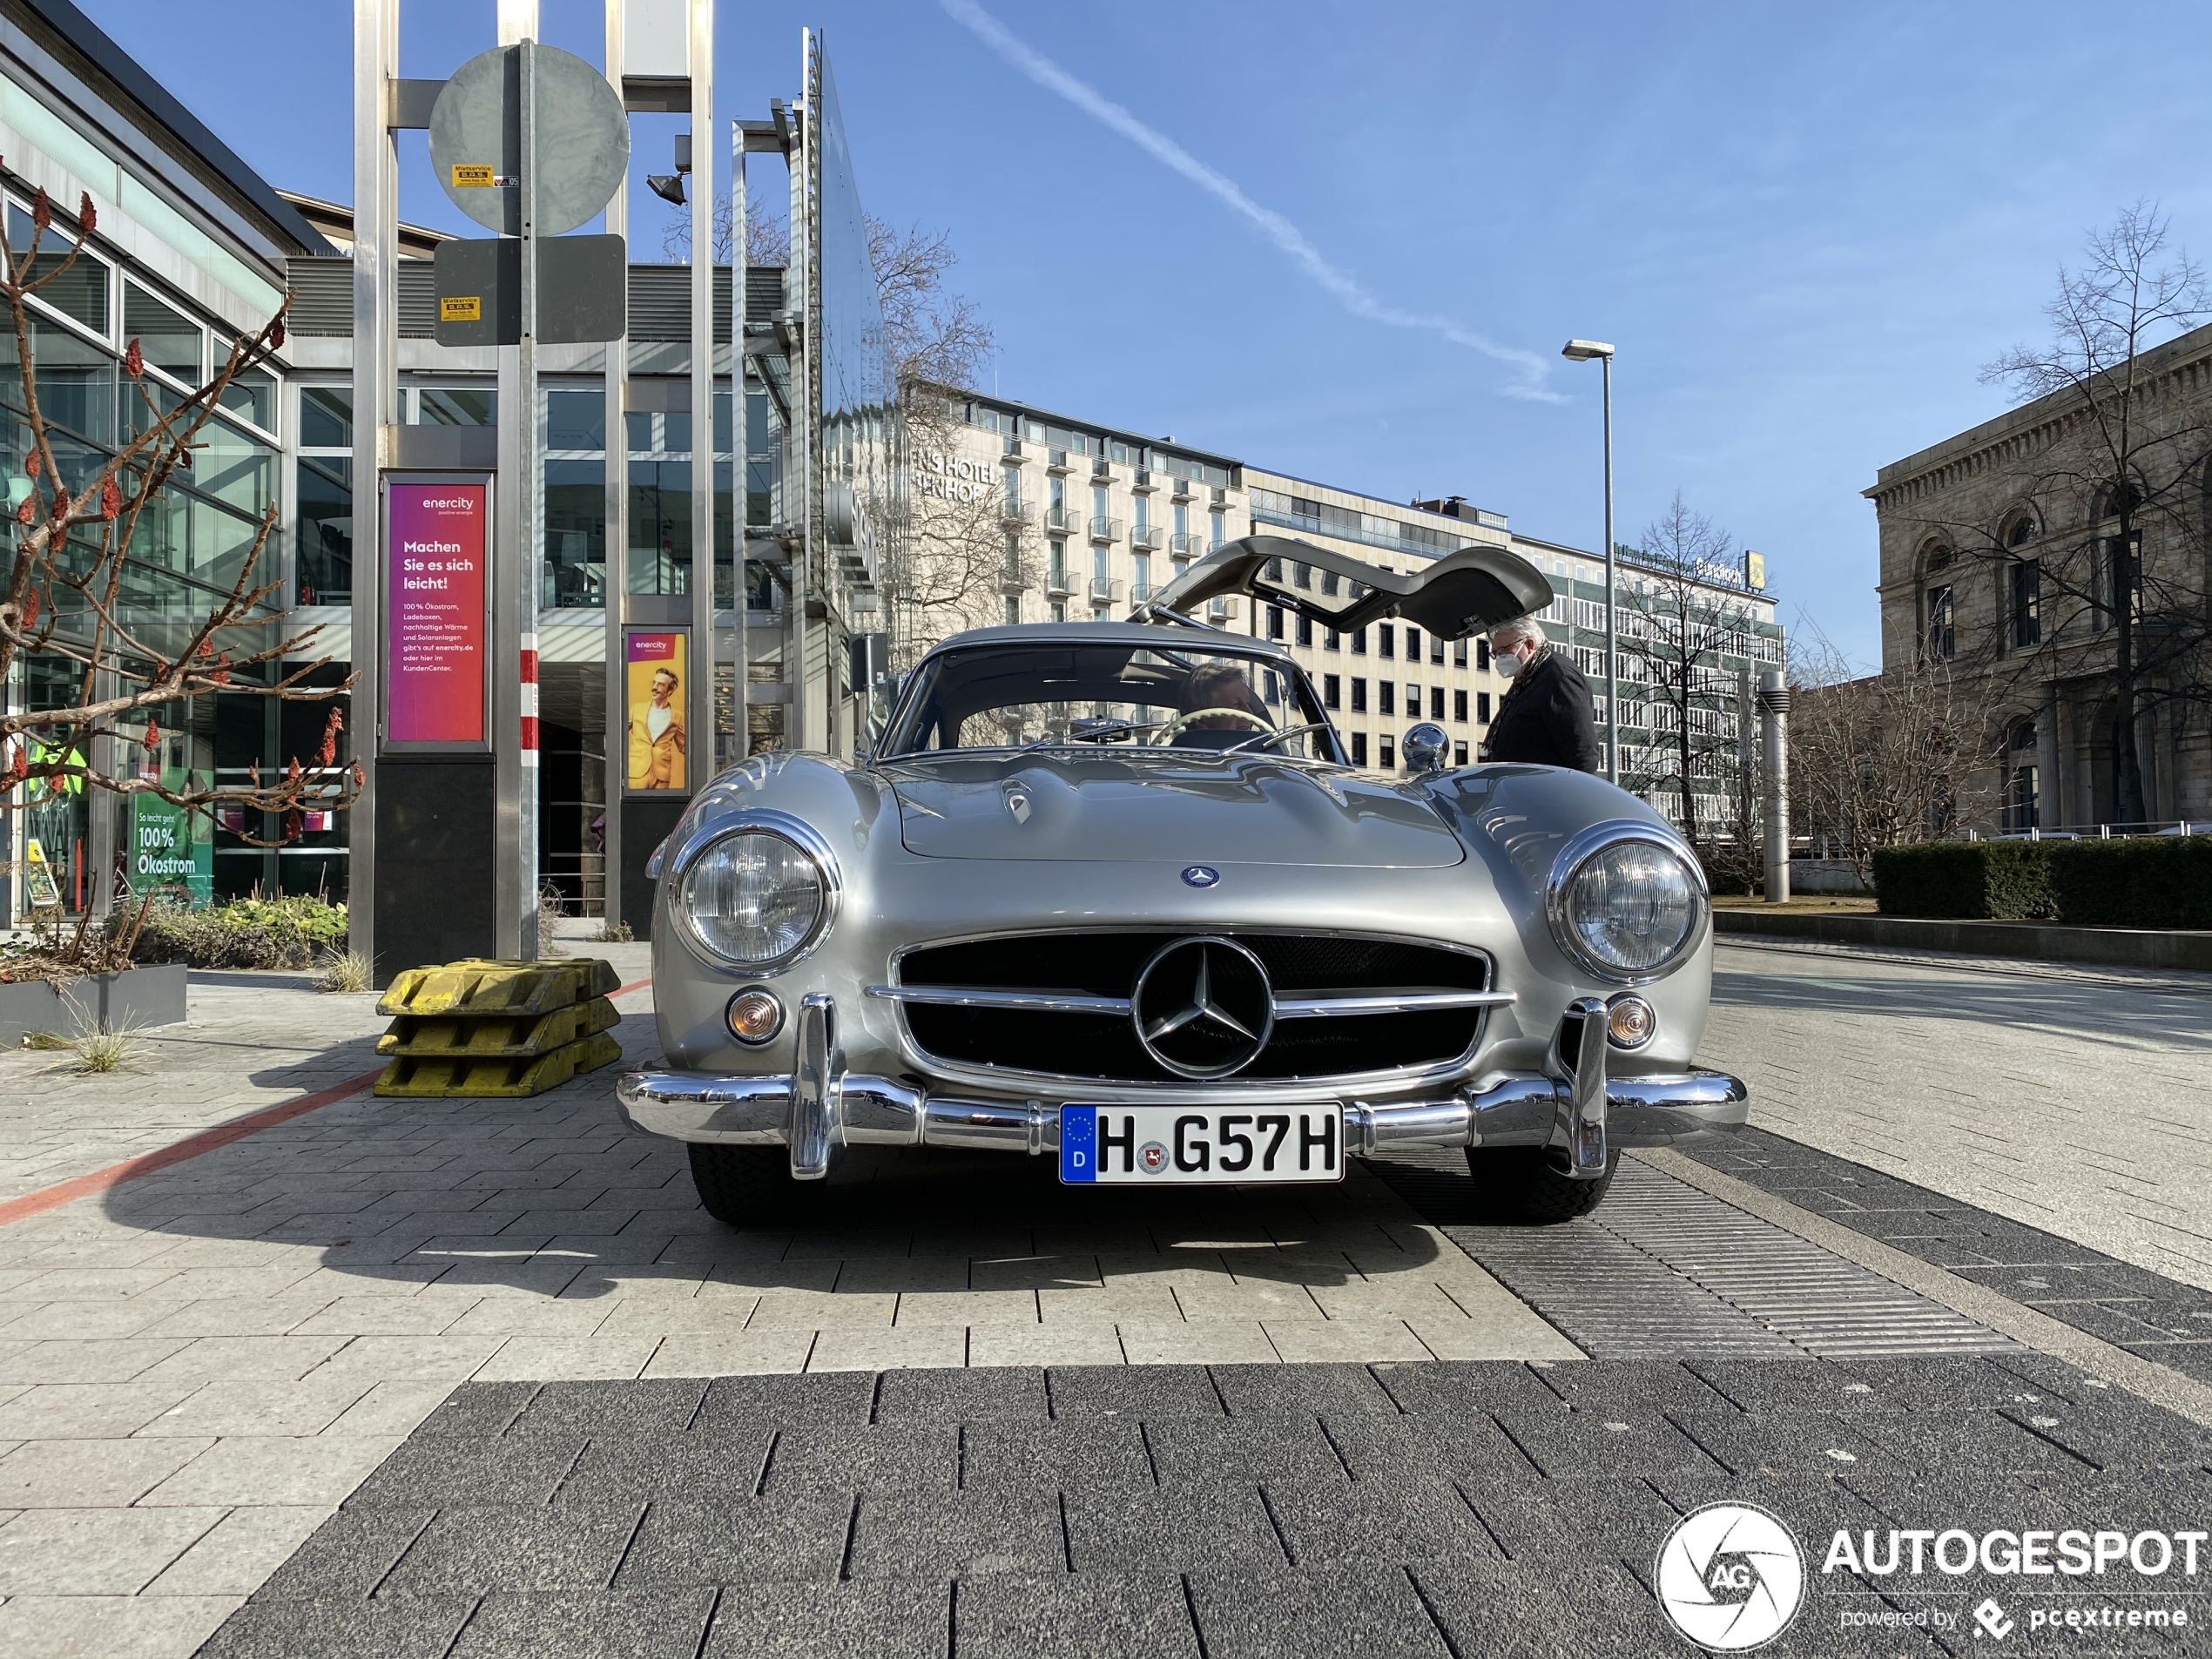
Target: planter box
2113,947
130,1000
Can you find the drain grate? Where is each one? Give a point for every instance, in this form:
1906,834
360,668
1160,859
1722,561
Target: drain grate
1665,1270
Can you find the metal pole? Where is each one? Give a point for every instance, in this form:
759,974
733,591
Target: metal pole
1612,642
376,212
1774,696
740,641
516,577
699,757
800,731
614,581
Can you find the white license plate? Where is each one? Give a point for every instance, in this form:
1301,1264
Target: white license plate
1200,1145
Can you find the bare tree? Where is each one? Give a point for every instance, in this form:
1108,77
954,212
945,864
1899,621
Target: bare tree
1677,628
2120,589
1877,760
68,596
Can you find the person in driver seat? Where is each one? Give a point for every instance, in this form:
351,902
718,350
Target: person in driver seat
1220,686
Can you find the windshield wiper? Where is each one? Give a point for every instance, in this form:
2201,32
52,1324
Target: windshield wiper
1270,737
1096,734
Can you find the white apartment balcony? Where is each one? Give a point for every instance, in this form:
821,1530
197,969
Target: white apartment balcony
1141,593
1106,531
1144,484
1017,512
1010,452
1105,589
1147,538
1063,520
1184,545
1058,584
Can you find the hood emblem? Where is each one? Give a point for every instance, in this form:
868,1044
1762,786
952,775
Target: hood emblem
1201,875
1203,1008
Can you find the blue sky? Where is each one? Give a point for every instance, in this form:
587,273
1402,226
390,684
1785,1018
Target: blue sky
1805,228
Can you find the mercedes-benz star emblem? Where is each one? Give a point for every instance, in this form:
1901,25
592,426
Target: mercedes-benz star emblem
1203,1008
1201,875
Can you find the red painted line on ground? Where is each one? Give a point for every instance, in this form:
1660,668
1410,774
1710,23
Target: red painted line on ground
83,1186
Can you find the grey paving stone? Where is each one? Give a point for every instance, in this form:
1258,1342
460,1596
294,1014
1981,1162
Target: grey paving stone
1460,1388
403,1627
434,1472
478,1410
1323,1524
1541,1520
1084,1453
796,1537
1095,1616
1494,1609
1146,1392
347,1555
481,1549
1807,1385
1940,1385
604,1624
1375,1613
1776,1442
1171,1531
1198,1450
788,1401
961,1534
1950,1442
1635,1441
942,1394
1301,1390
1656,1384
2122,1434
879,1619
1434,1447
669,1465
908,1458
628,1407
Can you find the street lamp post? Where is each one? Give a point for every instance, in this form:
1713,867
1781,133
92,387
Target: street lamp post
1582,351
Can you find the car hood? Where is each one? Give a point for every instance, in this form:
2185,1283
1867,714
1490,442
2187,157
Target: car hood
1178,806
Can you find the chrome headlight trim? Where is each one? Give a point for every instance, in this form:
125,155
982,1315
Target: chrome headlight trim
1585,845
800,834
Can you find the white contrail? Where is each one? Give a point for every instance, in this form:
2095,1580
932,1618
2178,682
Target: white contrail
1348,289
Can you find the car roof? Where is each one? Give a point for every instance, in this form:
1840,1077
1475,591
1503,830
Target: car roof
1150,635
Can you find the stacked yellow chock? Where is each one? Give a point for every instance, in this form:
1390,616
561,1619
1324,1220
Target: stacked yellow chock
479,1029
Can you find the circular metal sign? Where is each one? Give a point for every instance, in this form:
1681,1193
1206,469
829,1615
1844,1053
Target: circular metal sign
476,139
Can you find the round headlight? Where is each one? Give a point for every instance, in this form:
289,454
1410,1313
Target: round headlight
754,899
1628,909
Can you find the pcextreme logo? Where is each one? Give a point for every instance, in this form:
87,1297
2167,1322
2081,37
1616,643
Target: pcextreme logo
1730,1577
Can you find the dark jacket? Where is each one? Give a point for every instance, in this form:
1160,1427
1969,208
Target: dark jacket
1545,717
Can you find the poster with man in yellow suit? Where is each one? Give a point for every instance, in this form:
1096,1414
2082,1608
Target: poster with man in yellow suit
654,689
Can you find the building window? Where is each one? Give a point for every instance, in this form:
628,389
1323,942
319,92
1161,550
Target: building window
1328,636
1329,583
1331,692
1056,557
1459,754
1436,650
1305,631
1143,582
1387,690
1436,703
1013,610
1387,755
1358,642
1360,748
1013,490
1458,653
1385,641
1059,612
2022,531
1360,697
1413,644
2027,603
1459,707
1482,656
1274,572
1301,574
1942,636
1482,708
1274,622
1219,532
2022,808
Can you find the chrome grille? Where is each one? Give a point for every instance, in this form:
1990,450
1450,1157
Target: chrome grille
1057,1004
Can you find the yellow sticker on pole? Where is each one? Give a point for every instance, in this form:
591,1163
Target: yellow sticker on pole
465,308
467,177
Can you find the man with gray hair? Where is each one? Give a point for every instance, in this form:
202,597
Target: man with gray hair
1545,718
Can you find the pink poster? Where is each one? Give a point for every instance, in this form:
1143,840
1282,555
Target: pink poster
435,620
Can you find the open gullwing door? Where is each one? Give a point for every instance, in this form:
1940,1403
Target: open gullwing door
1467,592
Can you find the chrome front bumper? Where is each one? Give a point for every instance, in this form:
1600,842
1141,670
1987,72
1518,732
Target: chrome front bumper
820,1109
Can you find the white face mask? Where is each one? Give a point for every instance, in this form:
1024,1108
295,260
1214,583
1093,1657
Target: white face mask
1506,663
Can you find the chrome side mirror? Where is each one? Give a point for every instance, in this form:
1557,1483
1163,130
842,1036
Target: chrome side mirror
1427,747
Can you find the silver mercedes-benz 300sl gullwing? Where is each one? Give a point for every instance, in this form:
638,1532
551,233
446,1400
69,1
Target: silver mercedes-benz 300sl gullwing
1112,894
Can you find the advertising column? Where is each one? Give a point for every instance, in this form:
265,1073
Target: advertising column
434,893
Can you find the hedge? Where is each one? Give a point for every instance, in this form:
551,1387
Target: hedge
292,932
2143,881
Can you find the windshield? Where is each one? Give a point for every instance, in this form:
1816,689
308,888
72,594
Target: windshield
1050,695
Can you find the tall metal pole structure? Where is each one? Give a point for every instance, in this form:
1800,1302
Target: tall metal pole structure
376,350
1774,697
614,581
797,714
700,760
516,561
740,443
1581,351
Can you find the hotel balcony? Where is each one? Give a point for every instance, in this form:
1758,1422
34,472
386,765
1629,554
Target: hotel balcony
1147,538
1105,530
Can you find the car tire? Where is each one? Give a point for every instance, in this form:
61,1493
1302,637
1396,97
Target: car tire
750,1186
1523,1184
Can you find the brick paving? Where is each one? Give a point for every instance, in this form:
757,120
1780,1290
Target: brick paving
2077,1103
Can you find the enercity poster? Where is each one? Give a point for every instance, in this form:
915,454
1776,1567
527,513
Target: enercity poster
436,618
656,662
